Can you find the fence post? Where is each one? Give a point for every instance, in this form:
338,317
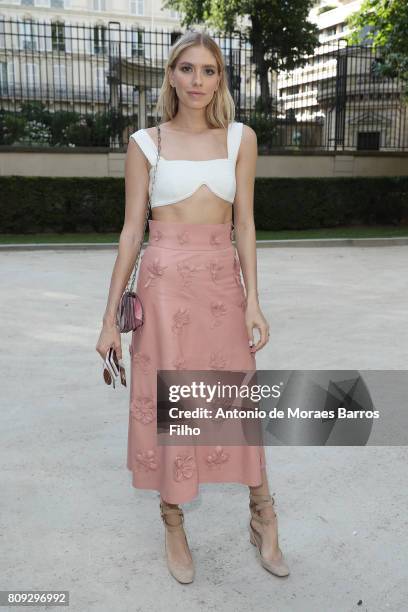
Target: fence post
341,96
115,77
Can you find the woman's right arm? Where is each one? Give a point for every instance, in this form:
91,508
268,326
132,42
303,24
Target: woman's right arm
136,194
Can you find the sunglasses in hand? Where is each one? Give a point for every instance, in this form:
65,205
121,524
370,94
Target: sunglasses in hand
112,368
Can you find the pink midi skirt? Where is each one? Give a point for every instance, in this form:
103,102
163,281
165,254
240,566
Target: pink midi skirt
189,281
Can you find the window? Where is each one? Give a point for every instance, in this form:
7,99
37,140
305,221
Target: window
30,75
137,43
137,7
368,141
141,43
44,36
27,31
4,82
99,5
2,39
68,35
58,36
60,76
100,45
147,44
99,78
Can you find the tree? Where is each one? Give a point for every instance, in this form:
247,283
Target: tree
279,32
384,23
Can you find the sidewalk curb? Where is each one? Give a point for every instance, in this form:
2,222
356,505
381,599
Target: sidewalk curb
260,244
334,242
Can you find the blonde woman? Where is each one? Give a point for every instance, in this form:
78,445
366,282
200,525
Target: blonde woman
197,314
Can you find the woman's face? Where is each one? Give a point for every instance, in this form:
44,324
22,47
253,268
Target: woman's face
195,71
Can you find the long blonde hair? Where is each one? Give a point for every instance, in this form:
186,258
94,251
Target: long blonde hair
221,110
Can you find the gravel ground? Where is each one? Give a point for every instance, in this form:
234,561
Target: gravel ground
70,519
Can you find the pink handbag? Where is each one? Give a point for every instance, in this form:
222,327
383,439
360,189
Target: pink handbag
130,314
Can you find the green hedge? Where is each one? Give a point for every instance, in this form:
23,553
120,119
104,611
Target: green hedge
43,204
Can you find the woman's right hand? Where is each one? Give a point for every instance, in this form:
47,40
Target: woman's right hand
109,336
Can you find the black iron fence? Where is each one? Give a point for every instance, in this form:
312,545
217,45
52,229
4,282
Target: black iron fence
92,85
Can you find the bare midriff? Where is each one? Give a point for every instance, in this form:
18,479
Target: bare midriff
203,206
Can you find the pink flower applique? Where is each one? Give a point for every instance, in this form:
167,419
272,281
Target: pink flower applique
155,271
183,238
214,239
186,269
180,319
218,360
143,361
217,458
141,409
180,363
147,460
214,268
157,235
183,467
218,310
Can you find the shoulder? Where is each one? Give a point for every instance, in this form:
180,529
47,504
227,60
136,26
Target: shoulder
140,134
248,141
143,144
136,135
144,138
248,134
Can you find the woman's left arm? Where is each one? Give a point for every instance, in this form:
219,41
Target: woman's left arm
245,236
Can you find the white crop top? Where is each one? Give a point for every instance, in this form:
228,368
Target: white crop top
178,179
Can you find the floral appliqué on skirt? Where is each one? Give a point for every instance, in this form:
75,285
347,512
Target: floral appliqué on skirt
189,282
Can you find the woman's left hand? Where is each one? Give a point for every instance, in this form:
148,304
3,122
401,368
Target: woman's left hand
255,318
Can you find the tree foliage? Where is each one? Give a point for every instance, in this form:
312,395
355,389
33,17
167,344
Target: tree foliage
280,26
280,35
384,24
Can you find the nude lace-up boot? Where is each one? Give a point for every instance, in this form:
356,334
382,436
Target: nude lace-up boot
183,572
257,502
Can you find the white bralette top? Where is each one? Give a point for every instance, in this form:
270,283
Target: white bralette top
177,179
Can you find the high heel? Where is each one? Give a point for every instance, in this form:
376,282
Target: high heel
257,502
181,572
